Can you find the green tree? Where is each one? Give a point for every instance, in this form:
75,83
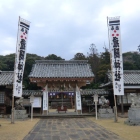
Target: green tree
30,60
131,61
7,62
104,65
136,60
129,66
53,57
79,56
94,60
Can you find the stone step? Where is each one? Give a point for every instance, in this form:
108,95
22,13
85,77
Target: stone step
61,116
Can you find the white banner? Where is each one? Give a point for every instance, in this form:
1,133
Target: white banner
45,99
78,98
116,55
37,102
23,29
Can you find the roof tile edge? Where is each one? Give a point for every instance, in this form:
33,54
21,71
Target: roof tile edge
60,61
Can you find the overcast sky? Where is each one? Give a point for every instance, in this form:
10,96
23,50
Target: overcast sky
66,27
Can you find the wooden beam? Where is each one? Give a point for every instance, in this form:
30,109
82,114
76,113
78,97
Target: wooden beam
59,79
57,82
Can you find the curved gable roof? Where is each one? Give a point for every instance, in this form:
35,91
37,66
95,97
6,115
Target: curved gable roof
61,69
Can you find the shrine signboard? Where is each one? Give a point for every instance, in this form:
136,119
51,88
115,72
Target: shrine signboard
37,102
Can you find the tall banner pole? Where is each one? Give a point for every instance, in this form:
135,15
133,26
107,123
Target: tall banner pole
115,58
12,111
20,57
115,107
22,38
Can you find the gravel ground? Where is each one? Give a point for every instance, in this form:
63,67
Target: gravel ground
16,131
125,131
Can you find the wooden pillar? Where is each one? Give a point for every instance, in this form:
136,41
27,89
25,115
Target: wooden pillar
75,102
122,109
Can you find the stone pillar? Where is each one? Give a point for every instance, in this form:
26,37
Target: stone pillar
134,110
133,116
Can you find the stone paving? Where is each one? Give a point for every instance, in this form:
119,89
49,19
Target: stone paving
70,129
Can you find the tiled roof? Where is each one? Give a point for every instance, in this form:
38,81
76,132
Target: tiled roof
131,77
6,78
32,92
61,69
94,91
83,92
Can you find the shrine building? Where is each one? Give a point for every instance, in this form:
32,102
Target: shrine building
61,82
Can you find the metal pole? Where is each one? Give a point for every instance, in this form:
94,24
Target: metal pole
96,109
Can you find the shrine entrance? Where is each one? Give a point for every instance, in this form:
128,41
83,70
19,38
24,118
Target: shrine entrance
61,82
61,102
64,102
59,99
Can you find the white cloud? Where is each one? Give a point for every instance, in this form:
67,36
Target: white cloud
5,52
40,25
24,14
8,41
67,25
